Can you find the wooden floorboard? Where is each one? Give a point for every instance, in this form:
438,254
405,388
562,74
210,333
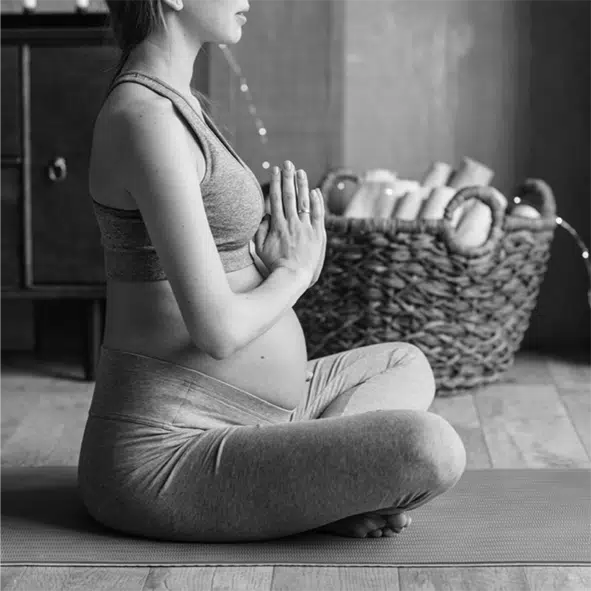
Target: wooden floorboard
538,416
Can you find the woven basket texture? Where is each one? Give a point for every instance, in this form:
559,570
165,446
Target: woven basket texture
467,309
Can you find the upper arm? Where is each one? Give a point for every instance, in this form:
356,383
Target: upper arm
162,176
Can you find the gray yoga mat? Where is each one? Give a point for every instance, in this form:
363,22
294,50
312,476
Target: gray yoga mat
514,517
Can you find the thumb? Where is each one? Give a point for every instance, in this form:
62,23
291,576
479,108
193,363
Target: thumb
262,231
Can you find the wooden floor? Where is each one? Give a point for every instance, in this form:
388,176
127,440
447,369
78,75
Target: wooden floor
540,417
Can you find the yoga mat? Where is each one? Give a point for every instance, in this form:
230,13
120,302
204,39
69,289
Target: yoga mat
512,517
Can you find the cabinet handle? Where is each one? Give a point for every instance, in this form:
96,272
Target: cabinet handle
57,170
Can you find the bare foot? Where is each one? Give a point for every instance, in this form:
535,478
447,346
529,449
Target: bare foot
373,525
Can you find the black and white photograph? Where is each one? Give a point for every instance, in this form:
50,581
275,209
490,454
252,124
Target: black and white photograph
296,295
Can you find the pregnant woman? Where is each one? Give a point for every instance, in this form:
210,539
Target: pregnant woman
207,422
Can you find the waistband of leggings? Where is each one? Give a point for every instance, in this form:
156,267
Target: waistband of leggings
223,391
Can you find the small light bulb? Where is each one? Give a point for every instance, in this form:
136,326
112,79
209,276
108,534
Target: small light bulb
586,254
30,4
262,131
340,186
516,200
244,87
265,164
559,220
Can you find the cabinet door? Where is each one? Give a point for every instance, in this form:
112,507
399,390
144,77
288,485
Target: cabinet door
10,228
10,219
9,102
67,89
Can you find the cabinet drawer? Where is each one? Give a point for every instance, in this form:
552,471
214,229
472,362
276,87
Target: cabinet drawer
64,104
11,228
11,102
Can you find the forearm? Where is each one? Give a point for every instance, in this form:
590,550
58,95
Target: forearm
254,312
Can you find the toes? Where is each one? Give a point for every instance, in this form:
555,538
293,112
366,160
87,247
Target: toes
398,521
371,524
388,532
363,525
360,526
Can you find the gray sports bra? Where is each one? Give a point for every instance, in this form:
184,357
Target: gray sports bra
232,197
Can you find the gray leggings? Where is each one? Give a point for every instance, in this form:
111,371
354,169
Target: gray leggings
173,454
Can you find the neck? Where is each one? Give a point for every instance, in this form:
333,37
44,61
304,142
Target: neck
171,62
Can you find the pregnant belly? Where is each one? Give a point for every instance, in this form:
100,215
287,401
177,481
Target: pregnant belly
272,366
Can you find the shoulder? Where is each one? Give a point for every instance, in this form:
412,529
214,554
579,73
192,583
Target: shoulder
133,121
130,110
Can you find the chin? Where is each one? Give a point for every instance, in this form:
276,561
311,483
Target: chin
228,38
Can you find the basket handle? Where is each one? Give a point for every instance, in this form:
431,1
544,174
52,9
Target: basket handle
542,192
488,195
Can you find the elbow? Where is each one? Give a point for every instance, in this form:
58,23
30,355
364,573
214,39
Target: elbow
225,342
222,351
219,345
218,337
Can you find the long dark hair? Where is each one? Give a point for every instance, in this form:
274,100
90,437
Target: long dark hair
131,21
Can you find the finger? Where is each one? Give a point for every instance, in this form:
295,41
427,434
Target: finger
303,191
275,203
317,209
261,233
288,189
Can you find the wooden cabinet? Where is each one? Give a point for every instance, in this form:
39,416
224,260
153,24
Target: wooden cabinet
55,70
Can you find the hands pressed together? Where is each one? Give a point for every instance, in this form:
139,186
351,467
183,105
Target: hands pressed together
293,235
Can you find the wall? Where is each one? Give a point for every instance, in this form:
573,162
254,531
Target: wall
287,54
560,152
502,81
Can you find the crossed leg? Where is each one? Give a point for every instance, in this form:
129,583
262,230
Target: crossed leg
385,376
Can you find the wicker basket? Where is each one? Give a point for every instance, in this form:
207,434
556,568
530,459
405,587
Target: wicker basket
398,280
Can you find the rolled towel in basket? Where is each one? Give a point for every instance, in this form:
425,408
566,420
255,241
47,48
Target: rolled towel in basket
411,203
435,204
476,222
373,196
437,175
390,203
470,173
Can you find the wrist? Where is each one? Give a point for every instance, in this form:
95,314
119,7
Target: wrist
300,275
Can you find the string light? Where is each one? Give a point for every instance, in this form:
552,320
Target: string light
244,89
584,250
